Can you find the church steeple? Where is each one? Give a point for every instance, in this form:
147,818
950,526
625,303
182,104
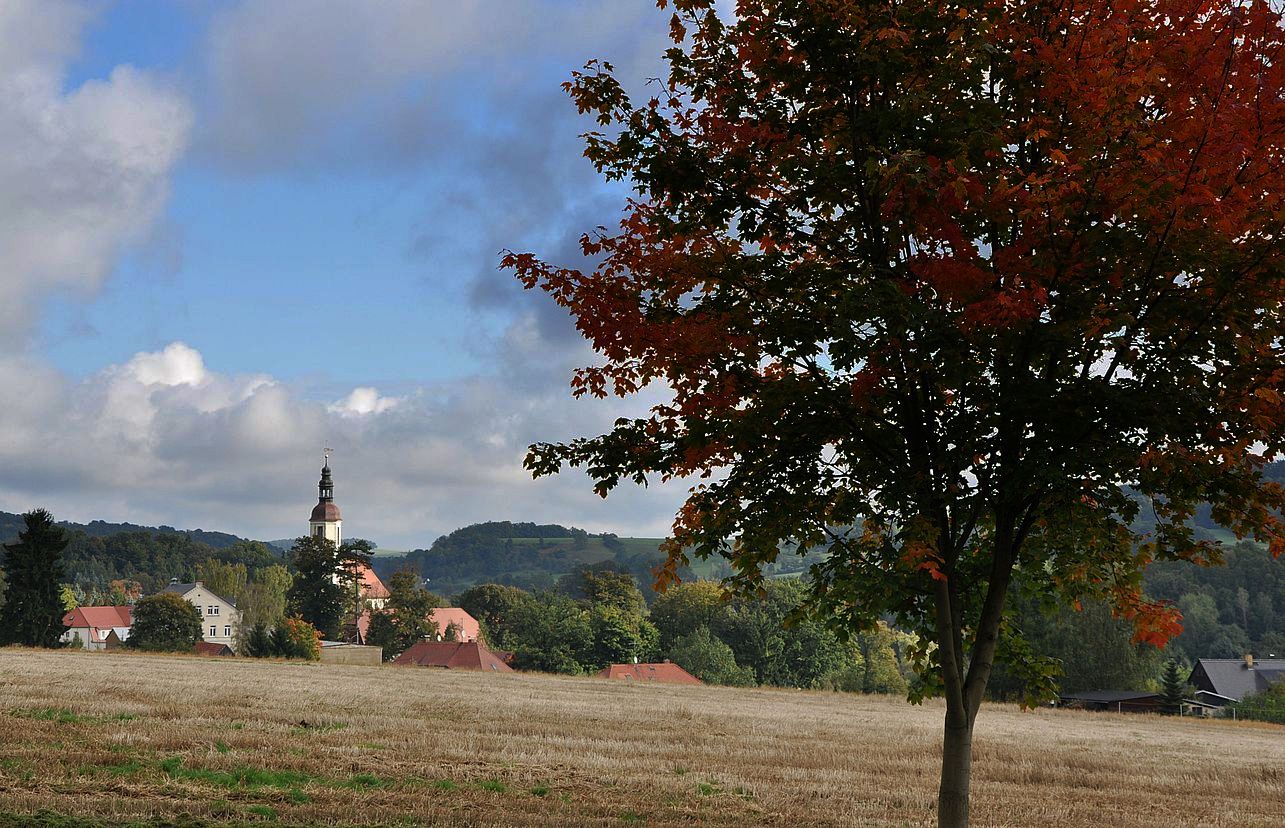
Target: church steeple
326,488
325,521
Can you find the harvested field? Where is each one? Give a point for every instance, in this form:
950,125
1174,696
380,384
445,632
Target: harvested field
120,737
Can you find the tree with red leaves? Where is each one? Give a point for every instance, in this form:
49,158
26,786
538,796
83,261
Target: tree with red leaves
947,289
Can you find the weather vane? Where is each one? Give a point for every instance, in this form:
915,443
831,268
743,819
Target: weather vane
325,456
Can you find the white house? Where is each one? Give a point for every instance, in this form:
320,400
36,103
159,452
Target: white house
219,616
92,625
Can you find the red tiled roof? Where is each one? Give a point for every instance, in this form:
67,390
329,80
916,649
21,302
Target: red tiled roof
454,655
466,625
208,648
371,586
100,617
667,672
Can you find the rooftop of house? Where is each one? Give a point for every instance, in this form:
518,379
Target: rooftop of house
100,617
184,589
454,655
665,672
466,625
1235,678
1108,696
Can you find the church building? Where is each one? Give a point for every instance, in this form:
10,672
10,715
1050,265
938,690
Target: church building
326,522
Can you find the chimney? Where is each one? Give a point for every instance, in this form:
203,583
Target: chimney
1249,661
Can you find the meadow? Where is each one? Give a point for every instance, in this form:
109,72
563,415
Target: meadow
91,739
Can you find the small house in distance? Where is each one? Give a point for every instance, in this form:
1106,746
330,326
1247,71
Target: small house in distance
1115,701
466,626
665,672
453,655
1220,681
94,625
219,616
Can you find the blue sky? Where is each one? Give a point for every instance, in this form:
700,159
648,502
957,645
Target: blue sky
245,230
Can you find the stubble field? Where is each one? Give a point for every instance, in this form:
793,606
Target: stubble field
110,739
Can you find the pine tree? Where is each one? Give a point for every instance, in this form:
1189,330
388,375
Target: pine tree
1174,688
33,608
314,595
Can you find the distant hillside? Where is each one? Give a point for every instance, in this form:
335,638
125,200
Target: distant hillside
99,553
529,555
11,524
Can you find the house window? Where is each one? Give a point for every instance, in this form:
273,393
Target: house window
227,632
214,631
211,610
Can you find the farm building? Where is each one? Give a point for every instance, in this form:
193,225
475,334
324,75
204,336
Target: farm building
1116,701
453,655
1220,681
93,625
665,672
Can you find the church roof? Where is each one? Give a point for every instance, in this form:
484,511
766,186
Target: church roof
325,511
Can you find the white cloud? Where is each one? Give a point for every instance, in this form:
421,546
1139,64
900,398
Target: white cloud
162,438
84,172
363,401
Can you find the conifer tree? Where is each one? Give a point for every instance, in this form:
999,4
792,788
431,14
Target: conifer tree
1174,688
315,596
33,608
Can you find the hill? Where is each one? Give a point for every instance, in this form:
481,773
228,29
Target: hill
10,524
529,555
99,553
299,744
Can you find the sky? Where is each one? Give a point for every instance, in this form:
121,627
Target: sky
234,233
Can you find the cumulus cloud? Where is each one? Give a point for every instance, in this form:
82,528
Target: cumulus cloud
85,171
162,438
363,401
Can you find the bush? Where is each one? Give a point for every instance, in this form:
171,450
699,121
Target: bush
290,638
1267,706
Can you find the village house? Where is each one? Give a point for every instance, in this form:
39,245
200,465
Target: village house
219,616
665,672
465,626
1220,681
453,655
94,626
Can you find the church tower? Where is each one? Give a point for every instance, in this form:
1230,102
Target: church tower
325,521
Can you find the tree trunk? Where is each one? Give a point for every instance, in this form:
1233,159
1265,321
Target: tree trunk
956,767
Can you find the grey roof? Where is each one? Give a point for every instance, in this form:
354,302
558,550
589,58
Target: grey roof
1233,678
184,589
1107,696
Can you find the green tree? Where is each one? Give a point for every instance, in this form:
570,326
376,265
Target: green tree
165,622
353,560
33,608
703,655
263,600
255,641
1173,684
551,633
407,618
227,580
620,637
603,585
685,607
928,287
881,664
314,595
494,606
